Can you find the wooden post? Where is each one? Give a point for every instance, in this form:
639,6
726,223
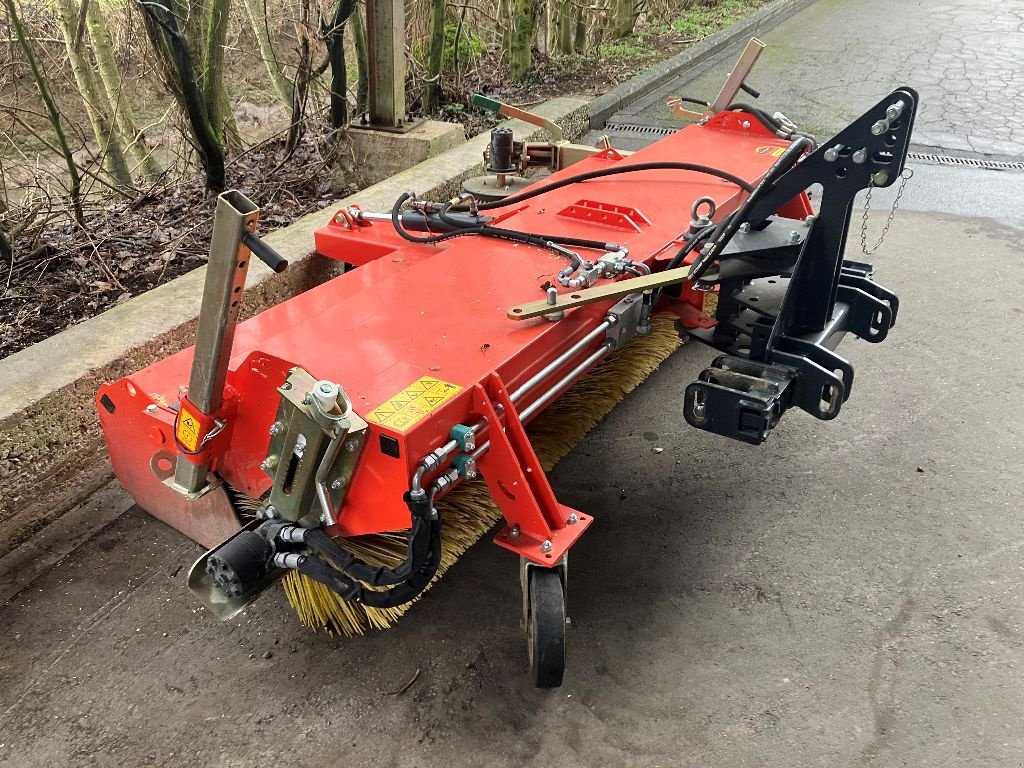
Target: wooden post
385,27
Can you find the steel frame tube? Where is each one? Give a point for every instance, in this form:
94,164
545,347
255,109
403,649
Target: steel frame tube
443,451
226,270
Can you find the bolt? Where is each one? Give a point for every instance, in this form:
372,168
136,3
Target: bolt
270,513
699,410
546,546
810,220
514,532
552,296
572,519
880,178
339,483
151,408
860,156
182,390
745,124
745,227
286,386
268,463
794,236
351,445
307,400
276,427
832,153
880,127
893,111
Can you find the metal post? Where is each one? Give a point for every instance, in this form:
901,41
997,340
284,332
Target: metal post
385,41
226,269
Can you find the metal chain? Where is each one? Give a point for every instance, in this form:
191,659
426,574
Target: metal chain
907,175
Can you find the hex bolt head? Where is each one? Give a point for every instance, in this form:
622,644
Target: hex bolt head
860,156
879,127
573,519
151,408
270,513
268,463
893,111
514,532
745,227
276,427
546,546
337,484
794,236
351,445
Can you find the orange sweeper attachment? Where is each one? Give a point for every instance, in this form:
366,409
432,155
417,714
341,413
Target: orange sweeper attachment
357,437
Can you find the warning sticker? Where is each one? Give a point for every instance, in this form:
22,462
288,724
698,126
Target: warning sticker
413,403
188,430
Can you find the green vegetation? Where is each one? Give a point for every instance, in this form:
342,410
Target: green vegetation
702,20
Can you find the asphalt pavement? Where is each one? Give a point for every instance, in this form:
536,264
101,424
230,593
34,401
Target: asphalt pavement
849,594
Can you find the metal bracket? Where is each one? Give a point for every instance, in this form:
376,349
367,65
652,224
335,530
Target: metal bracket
538,527
313,452
618,216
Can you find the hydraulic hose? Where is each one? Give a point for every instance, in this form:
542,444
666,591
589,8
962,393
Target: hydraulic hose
347,575
773,125
660,165
403,593
728,227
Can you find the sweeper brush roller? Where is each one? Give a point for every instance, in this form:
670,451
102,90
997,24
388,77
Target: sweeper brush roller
357,438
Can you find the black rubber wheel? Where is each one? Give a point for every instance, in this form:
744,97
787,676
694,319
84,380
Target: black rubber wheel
545,630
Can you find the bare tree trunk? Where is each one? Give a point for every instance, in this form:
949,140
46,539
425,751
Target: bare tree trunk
257,12
624,15
336,49
95,104
302,75
565,26
362,61
75,190
435,56
521,57
505,13
580,43
165,31
120,103
218,106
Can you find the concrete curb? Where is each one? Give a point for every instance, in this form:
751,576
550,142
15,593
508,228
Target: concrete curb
52,455
636,88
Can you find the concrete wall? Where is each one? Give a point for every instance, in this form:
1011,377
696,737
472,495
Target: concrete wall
51,449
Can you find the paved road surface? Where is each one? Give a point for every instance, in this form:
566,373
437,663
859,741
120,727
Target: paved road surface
849,594
826,64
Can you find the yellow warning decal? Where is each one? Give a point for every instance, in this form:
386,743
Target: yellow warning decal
424,395
188,430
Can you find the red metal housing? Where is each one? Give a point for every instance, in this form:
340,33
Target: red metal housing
418,337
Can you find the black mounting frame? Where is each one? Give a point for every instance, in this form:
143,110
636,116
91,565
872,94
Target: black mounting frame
787,296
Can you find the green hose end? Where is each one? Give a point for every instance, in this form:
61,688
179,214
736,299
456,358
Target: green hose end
485,102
